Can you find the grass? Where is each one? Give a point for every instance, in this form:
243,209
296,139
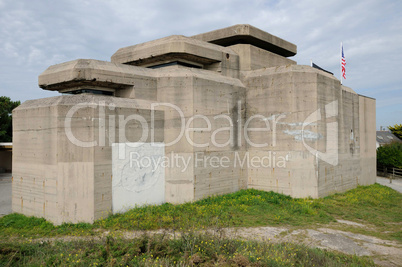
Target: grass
376,205
379,207
18,225
158,250
243,208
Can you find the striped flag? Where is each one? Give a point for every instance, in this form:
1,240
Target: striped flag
343,64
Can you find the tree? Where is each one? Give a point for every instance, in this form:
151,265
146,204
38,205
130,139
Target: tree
390,155
6,108
396,130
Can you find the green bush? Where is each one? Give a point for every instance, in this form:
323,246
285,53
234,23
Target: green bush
390,155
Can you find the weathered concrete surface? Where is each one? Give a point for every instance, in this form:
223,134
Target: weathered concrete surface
5,193
312,115
59,174
368,150
101,75
284,103
253,58
180,48
199,92
244,33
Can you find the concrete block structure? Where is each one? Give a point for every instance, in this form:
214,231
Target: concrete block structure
182,118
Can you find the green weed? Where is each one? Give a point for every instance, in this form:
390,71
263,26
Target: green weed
188,250
375,205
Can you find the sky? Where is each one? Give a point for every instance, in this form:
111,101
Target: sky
37,34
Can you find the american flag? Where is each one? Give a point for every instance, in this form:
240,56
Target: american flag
343,63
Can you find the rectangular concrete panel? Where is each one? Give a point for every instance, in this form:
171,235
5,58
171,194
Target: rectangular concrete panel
138,175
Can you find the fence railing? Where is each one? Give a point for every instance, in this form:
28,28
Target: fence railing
389,172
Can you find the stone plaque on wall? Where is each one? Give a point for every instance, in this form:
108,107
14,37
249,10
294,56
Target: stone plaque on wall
138,175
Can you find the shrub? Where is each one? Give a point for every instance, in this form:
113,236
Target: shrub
390,155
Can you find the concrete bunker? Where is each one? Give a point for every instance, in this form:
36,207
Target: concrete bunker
252,118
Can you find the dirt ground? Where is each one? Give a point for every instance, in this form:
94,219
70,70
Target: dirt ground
383,252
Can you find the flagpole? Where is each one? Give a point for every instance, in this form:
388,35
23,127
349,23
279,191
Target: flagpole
341,62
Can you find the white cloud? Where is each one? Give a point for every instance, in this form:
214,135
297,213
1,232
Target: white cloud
36,34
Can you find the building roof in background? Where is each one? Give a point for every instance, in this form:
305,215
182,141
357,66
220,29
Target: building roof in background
386,137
